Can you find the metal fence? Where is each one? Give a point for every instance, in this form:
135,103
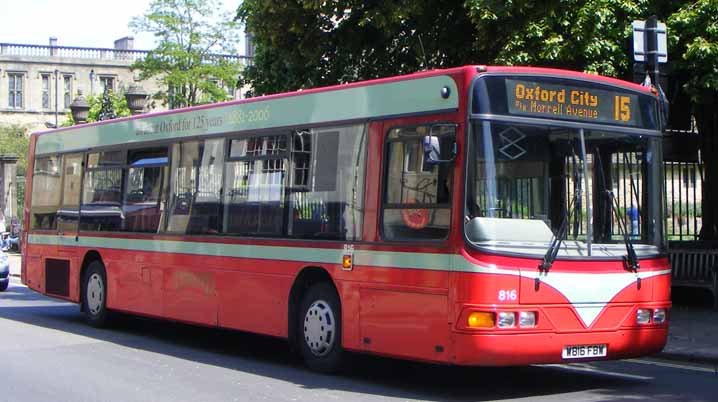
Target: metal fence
683,195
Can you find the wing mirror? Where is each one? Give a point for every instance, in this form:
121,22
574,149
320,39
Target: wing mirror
440,149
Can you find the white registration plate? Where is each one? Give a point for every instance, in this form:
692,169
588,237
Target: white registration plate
584,351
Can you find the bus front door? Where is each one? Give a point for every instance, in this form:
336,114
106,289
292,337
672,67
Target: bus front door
62,270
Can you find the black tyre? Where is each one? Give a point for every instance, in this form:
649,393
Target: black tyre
94,295
320,329
4,285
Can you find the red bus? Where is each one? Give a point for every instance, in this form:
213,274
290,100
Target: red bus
470,216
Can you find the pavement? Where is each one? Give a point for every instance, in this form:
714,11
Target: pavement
692,335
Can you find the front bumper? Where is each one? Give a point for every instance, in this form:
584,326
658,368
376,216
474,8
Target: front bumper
544,348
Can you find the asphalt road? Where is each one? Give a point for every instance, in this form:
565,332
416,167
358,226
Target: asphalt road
48,354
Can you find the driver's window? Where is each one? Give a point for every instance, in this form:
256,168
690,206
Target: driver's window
417,202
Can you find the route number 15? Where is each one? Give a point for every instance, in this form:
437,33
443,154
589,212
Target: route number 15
622,108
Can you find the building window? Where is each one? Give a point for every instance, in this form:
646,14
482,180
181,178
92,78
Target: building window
107,83
15,91
67,90
46,91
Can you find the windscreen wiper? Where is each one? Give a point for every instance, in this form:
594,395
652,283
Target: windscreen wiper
630,260
558,238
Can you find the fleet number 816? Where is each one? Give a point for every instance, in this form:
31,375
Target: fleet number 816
508,295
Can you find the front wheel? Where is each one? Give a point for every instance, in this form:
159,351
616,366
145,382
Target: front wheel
94,292
320,329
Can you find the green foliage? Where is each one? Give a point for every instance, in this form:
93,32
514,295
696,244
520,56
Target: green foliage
190,33
15,140
119,105
694,36
592,36
107,111
305,44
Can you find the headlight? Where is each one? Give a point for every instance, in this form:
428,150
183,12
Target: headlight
507,320
643,315
659,315
527,319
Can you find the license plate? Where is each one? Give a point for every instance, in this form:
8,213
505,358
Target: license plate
584,351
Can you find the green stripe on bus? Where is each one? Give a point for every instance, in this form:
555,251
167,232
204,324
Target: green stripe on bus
365,102
424,261
195,248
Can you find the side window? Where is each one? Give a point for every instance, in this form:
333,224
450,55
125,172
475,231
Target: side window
417,198
144,181
72,176
195,187
46,190
254,186
102,192
326,194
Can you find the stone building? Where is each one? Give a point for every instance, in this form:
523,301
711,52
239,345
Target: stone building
38,83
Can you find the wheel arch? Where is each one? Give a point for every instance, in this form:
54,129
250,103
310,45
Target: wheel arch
90,257
307,277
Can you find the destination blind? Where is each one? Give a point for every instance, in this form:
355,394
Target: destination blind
572,102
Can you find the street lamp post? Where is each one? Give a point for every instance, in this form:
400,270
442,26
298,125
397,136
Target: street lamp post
92,82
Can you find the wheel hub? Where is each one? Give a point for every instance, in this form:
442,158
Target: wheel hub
95,293
319,328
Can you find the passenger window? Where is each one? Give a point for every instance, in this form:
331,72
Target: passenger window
255,180
195,187
46,190
144,182
102,192
326,195
417,202
72,175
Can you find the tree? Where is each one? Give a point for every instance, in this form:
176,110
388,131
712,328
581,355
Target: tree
119,106
694,36
107,111
185,62
591,36
302,44
14,140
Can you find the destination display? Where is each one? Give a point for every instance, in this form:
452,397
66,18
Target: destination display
571,102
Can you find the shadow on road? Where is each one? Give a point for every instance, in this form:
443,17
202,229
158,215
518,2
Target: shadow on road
270,357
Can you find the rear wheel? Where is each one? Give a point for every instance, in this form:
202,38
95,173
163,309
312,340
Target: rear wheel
4,285
94,295
320,328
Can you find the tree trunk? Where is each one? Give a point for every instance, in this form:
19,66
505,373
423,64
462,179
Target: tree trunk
706,114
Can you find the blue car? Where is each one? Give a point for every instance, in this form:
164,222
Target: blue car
4,271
